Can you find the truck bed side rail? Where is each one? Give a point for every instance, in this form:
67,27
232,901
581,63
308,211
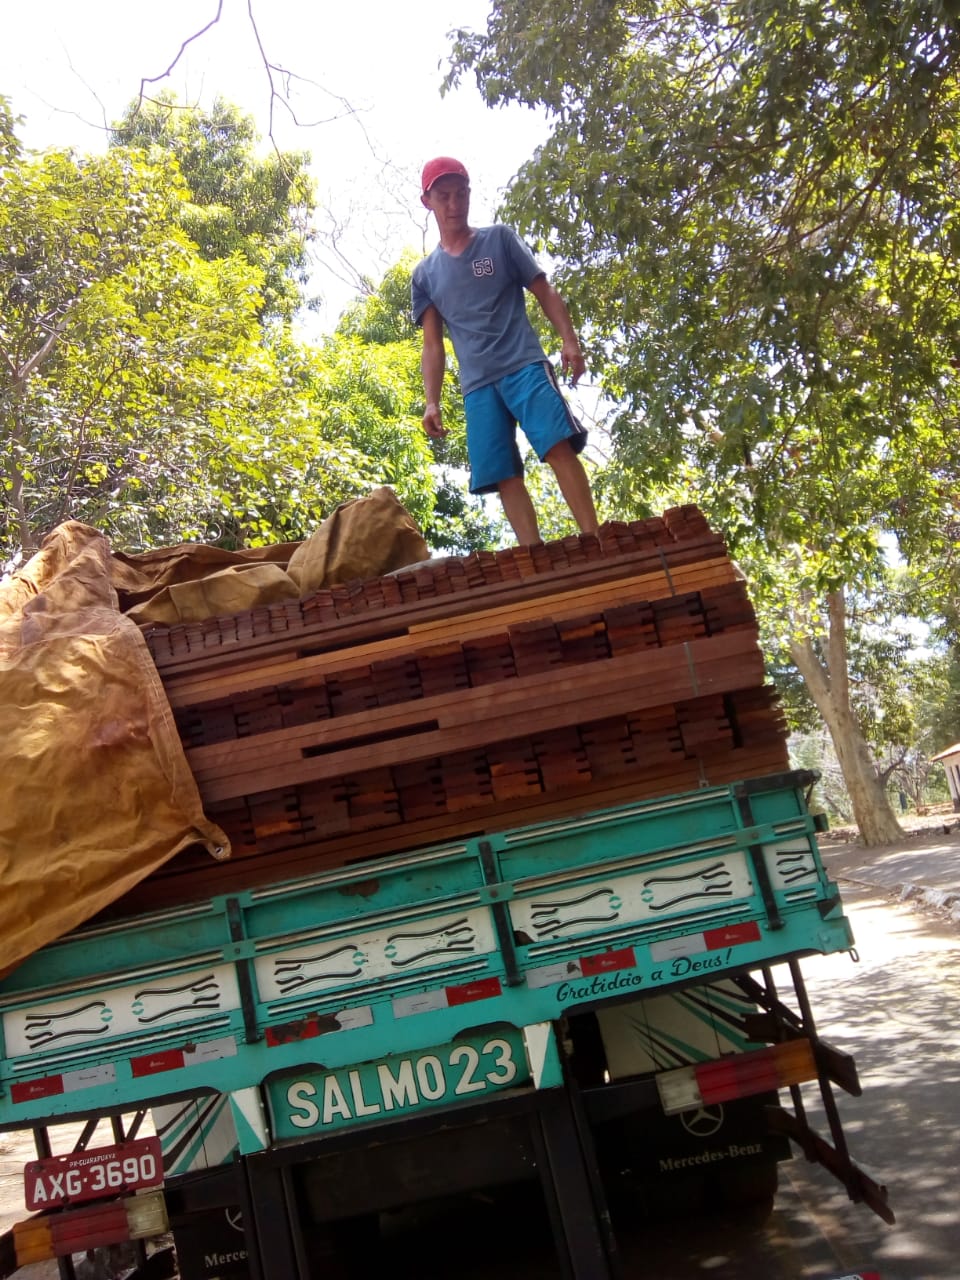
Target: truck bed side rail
397,954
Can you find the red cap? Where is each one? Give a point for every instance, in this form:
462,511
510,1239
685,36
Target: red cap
438,168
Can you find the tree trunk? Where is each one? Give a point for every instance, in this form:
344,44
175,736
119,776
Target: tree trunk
826,680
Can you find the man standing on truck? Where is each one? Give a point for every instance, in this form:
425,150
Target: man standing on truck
474,283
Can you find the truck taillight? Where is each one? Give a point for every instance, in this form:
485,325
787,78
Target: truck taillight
63,1232
737,1075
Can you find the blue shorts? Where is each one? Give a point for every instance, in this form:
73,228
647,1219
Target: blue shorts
531,398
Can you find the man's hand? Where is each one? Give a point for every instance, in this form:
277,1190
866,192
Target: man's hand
572,361
433,422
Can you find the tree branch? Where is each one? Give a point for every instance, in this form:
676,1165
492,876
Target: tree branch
189,40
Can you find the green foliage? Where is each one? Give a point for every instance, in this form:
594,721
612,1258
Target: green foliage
367,403
139,391
256,206
924,696
9,146
385,316
87,250
755,205
459,522
940,707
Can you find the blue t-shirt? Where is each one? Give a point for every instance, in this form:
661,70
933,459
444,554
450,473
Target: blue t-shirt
480,295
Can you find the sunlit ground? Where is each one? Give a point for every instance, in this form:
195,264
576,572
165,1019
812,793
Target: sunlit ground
897,1011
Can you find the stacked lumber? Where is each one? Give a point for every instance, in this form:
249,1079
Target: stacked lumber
467,695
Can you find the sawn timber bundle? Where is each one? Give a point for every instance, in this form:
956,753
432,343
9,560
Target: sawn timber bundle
466,695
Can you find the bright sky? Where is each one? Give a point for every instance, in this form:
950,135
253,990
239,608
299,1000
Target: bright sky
365,89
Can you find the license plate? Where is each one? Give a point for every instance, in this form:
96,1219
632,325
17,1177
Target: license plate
88,1175
461,1071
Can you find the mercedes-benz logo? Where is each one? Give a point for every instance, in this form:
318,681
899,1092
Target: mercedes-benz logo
704,1121
234,1218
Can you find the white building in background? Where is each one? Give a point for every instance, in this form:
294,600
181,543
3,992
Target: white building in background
950,759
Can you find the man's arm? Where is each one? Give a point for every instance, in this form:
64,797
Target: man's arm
433,364
555,309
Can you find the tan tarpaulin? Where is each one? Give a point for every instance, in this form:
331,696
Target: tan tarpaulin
140,576
363,538
232,590
95,792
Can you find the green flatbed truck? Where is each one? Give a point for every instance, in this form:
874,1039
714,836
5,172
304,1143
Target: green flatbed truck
585,1004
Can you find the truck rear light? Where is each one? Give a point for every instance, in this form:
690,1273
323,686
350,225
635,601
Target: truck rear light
737,1075
146,1216
76,1230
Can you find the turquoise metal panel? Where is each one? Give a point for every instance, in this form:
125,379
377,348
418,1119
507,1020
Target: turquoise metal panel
95,953
351,966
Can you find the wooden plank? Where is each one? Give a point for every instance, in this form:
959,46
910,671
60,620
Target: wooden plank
553,649
464,724
191,879
250,768
184,883
478,625
480,628
654,748
680,667
706,555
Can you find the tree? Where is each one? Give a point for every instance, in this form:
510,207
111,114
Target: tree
883,663
144,392
257,206
940,704
9,147
139,391
85,250
755,205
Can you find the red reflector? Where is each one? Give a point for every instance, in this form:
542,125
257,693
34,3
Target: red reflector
77,1230
737,1076
732,935
483,989
27,1090
607,961
287,1032
154,1062
758,1071
88,1228
71,1232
